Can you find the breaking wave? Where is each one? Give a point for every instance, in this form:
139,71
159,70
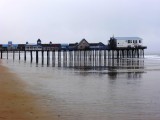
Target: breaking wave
153,57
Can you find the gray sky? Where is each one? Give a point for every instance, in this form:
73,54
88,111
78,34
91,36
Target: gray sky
64,21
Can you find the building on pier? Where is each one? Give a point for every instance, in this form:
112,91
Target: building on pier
1,47
115,43
97,46
31,46
125,43
72,46
64,46
38,42
21,47
83,44
4,47
9,46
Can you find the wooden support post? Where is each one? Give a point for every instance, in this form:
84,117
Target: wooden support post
95,57
48,57
7,54
75,56
63,57
109,54
37,56
79,59
93,54
90,58
84,57
19,54
31,56
13,54
143,53
112,54
25,55
127,53
117,54
132,53
59,58
105,55
69,56
100,59
53,58
1,54
109,60
66,56
80,56
42,57
138,53
122,53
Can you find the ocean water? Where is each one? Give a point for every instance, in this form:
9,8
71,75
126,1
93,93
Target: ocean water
123,90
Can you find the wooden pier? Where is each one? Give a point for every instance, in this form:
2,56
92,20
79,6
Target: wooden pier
78,54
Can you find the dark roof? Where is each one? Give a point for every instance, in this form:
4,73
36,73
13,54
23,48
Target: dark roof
73,44
21,44
51,45
96,44
128,38
83,40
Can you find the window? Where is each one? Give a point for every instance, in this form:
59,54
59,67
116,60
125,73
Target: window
134,41
140,41
129,41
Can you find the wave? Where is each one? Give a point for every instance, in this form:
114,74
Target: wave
154,57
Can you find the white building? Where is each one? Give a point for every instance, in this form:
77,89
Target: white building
33,47
132,42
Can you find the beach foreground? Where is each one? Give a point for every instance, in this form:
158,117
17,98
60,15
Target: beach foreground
15,102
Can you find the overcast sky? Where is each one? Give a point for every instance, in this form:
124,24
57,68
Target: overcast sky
64,21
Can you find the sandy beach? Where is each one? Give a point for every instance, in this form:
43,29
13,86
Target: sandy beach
15,102
35,92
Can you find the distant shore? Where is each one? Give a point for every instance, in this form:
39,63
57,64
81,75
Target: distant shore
15,102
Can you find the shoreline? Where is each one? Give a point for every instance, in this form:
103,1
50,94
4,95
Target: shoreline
15,102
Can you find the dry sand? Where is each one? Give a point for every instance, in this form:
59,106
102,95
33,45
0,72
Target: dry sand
16,103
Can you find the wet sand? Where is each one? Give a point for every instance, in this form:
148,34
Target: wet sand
16,103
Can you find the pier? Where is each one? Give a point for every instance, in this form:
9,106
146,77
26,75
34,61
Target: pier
77,54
